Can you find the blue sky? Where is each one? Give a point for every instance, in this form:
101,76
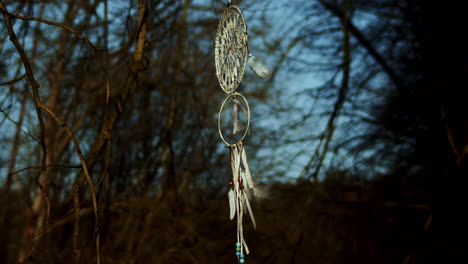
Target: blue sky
292,89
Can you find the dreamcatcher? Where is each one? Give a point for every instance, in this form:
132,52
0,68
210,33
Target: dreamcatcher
231,56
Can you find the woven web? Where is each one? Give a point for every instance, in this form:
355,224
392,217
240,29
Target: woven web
231,49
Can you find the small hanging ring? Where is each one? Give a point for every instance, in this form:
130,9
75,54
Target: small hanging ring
234,95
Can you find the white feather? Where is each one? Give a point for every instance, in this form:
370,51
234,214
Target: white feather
248,175
241,106
237,157
233,165
243,176
250,210
258,67
232,203
237,126
235,118
245,247
260,193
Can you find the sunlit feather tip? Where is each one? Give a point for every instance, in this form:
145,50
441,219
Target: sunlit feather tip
258,67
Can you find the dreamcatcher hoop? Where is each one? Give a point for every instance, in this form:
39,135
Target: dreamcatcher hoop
231,49
234,95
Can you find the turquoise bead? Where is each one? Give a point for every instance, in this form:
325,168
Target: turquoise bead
241,260
241,256
238,254
238,244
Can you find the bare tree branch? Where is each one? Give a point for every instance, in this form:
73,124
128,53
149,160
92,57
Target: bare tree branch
48,166
342,92
14,80
364,42
52,23
459,154
40,105
35,87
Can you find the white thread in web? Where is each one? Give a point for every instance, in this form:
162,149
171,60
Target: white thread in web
231,49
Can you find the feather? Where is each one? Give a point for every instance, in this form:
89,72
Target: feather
232,203
248,175
233,164
235,117
258,67
243,176
237,126
250,210
238,163
259,193
241,106
245,247
240,207
238,211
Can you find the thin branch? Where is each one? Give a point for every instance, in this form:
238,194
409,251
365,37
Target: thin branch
81,157
14,80
343,90
39,105
76,229
28,133
34,85
364,42
16,141
52,23
47,166
113,113
14,39
459,155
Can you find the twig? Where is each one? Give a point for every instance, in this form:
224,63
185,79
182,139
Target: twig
343,89
364,42
76,231
39,105
28,133
38,237
14,80
113,113
459,155
47,166
52,23
35,87
87,176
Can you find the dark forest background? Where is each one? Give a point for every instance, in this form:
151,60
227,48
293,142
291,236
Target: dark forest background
109,149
